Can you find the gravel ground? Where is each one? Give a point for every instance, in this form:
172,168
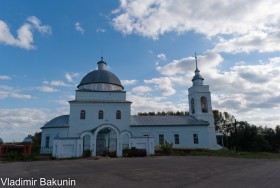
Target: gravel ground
185,171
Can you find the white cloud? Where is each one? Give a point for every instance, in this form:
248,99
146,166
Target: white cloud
152,18
100,30
161,57
16,124
254,41
141,89
165,84
147,104
59,83
5,77
64,102
10,92
20,96
241,26
47,89
24,33
79,28
49,85
70,76
128,82
207,63
44,29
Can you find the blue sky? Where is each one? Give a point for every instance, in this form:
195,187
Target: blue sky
46,47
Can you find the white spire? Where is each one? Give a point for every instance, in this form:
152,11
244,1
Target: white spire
197,79
196,62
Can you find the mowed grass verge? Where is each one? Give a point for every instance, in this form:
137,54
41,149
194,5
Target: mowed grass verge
223,153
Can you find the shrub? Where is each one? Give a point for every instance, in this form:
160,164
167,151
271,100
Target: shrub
112,154
87,153
166,148
12,156
133,152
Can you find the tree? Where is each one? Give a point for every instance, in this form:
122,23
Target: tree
253,138
277,135
227,127
218,120
270,135
36,142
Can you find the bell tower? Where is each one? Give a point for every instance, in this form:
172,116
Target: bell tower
200,105
200,99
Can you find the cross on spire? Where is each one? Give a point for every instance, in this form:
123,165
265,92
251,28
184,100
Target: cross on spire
195,60
196,70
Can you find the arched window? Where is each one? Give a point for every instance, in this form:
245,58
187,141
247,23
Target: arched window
204,107
83,114
100,114
192,106
118,114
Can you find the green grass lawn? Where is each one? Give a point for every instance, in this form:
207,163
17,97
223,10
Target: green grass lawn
221,153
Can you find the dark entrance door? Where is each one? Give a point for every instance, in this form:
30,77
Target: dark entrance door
106,141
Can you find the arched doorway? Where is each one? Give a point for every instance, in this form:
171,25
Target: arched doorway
125,138
125,141
106,142
106,137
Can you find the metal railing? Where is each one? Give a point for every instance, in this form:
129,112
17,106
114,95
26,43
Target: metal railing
46,150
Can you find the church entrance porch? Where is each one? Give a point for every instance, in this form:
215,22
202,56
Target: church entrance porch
106,142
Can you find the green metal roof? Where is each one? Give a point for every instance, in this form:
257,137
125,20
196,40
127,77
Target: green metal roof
58,122
138,121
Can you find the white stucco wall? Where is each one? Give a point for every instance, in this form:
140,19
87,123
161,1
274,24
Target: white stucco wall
196,92
94,101
101,95
67,148
143,143
91,121
185,135
52,133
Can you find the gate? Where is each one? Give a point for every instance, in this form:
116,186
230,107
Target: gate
100,145
103,145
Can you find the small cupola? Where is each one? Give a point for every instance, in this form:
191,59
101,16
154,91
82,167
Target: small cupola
27,139
102,65
197,79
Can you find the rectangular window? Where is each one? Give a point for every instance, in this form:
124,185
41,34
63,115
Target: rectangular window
161,138
118,114
83,114
176,139
47,143
195,138
100,114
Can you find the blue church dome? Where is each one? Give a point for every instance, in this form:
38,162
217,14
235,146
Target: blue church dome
27,139
1,141
101,79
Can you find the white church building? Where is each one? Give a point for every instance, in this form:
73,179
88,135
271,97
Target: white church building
100,120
